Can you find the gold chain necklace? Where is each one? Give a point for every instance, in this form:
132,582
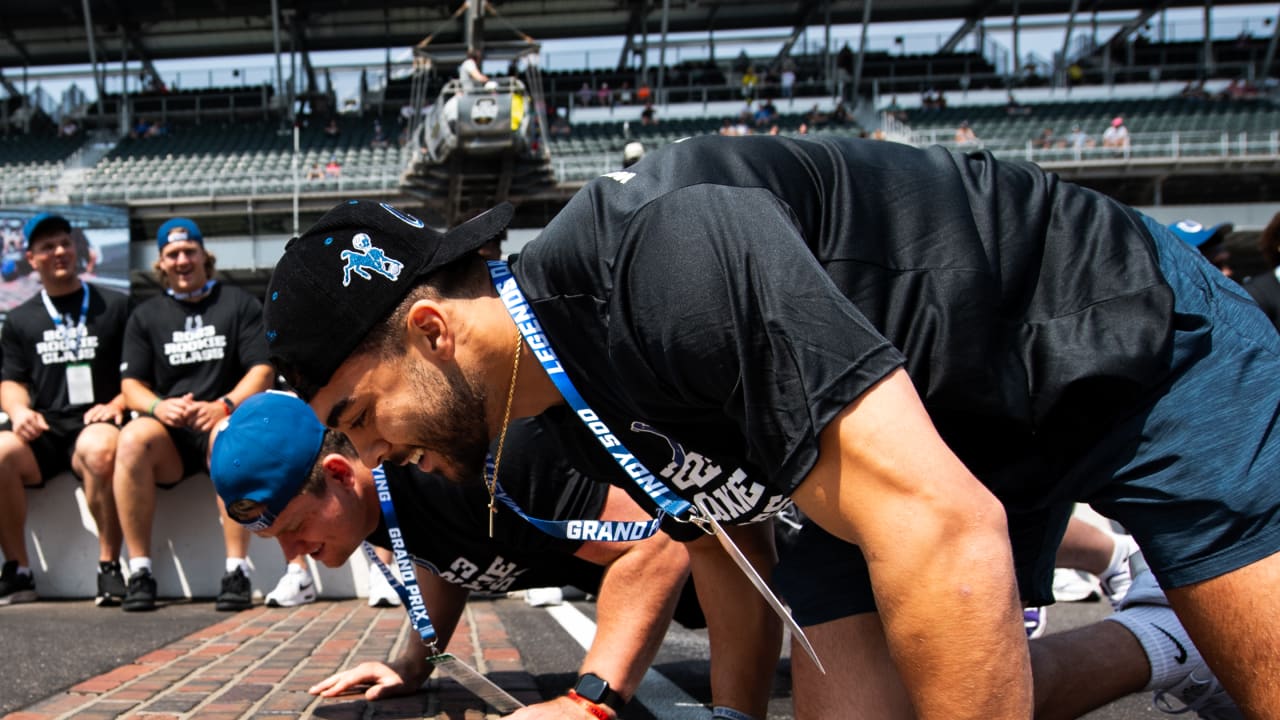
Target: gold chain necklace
491,482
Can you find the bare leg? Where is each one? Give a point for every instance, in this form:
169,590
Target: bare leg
1083,669
1234,620
144,456
742,660
20,470
861,681
234,535
1073,672
94,461
1085,547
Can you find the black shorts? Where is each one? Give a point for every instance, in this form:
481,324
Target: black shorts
845,588
55,447
193,448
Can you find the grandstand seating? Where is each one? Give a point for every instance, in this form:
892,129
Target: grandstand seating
243,159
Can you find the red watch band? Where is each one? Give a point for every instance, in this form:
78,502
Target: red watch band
599,711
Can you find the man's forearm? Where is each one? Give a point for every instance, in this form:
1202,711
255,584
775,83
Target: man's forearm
13,397
258,379
637,598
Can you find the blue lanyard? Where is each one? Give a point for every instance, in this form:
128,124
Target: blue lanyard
407,587
581,530
518,307
73,339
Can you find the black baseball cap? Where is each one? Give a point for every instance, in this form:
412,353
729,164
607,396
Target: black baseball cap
346,273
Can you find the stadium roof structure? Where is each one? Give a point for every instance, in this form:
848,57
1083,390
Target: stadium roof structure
54,32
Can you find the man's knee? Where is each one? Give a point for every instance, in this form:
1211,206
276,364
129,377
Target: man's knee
18,460
96,450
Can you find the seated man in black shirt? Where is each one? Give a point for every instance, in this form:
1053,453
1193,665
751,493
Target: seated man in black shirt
190,355
280,471
61,390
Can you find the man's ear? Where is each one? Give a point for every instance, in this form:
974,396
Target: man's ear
338,467
428,325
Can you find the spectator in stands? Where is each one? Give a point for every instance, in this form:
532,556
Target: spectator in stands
740,65
140,128
1210,241
604,96
1194,90
816,117
1013,108
965,134
1116,136
1075,75
766,114
69,128
469,74
159,128
841,115
585,94
1045,140
331,128
844,70
333,169
750,81
649,116
787,80
644,93
190,356
379,136
316,172
624,93
1079,139
60,387
1265,287
559,126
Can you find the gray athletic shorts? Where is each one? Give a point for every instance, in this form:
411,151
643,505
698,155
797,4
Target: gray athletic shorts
1193,474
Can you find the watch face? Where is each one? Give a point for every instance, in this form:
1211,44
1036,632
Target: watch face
591,687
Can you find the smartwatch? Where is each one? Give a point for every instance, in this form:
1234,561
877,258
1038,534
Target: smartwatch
596,689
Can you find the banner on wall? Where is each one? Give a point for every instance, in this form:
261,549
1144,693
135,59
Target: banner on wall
101,235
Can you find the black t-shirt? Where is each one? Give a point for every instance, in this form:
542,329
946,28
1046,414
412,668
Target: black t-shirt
723,300
1265,290
37,352
446,524
203,348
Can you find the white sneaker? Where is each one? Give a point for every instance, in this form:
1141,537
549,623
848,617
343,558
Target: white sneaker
294,588
381,594
1115,584
1074,586
543,597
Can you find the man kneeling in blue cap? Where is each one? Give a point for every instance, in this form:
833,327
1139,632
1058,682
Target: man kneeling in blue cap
284,475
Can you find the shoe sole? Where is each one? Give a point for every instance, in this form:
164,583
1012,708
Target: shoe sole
272,602
137,606
232,605
19,597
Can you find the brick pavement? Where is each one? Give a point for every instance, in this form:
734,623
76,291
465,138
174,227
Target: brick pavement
259,663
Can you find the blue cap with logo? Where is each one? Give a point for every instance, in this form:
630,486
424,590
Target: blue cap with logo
1195,234
262,456
42,223
178,229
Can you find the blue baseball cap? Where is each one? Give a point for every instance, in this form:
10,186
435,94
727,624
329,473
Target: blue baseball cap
44,223
262,456
178,229
1195,234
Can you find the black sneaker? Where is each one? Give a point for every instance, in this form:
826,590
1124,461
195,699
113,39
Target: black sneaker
16,587
236,593
142,592
111,585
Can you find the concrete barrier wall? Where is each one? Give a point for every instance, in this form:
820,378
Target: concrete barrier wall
187,550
